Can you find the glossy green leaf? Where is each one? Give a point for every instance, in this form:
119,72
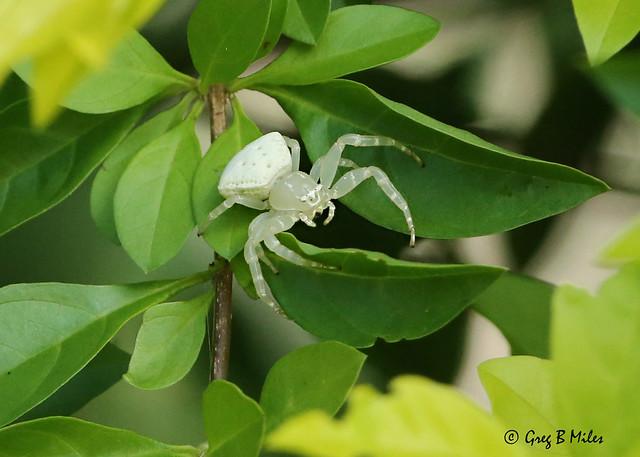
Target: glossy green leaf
520,307
39,169
417,418
348,46
620,77
316,377
468,187
274,29
108,176
624,248
49,331
228,233
225,36
168,343
134,73
306,19
606,26
371,295
102,372
233,422
68,437
152,203
595,341
521,393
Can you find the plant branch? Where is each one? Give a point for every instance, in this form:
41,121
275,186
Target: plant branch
221,312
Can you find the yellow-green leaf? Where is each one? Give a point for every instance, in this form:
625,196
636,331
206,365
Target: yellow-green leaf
606,26
419,418
66,40
624,248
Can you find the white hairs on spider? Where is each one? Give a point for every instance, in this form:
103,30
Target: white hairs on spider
265,175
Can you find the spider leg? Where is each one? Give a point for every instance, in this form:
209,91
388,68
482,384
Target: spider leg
353,178
295,152
251,202
262,227
262,288
332,212
291,256
263,257
326,169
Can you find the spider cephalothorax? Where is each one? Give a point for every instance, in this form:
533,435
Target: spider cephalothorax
265,175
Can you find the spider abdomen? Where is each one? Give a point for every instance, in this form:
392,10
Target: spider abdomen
254,169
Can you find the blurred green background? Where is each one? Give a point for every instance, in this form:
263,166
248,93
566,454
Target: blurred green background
512,71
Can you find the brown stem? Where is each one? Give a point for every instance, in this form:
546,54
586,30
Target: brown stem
221,314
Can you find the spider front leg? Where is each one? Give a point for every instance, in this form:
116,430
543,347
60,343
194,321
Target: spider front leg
295,152
326,166
353,178
250,202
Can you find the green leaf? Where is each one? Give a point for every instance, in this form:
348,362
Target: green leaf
620,77
108,176
67,41
520,307
371,295
102,372
225,36
39,169
595,341
306,19
233,422
242,275
49,331
348,46
625,247
134,73
168,343
606,26
153,199
68,437
335,4
274,29
521,393
228,233
468,187
314,377
417,418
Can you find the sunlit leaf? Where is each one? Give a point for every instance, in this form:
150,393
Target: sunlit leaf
606,26
134,73
49,331
417,418
66,40
624,248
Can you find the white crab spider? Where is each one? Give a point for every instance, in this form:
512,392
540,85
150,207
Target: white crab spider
264,175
